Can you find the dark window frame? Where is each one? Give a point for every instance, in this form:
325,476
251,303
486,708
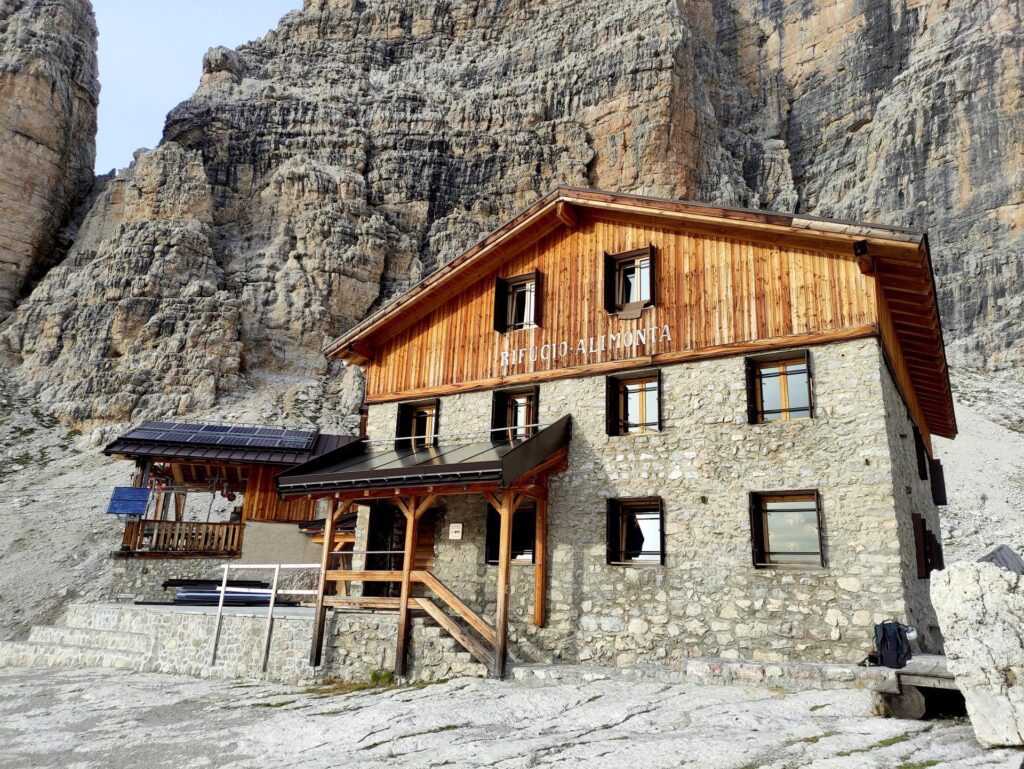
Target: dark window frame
406,420
616,419
614,265
614,523
500,411
927,548
760,555
492,533
504,288
922,454
753,365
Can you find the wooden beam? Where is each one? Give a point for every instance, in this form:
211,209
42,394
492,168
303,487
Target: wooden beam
370,575
457,605
505,511
566,214
411,527
320,615
540,564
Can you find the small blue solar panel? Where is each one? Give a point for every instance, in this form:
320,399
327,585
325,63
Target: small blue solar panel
128,500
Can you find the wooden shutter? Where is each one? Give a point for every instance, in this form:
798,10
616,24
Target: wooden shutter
499,414
938,478
652,254
538,302
920,545
935,559
661,398
661,528
810,384
922,455
610,305
403,425
757,555
500,305
612,544
611,405
751,374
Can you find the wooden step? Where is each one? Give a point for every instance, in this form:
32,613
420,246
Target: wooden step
357,602
453,629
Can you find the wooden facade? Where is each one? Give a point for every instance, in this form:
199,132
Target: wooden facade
728,282
261,502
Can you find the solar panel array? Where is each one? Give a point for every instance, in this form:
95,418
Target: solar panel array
227,436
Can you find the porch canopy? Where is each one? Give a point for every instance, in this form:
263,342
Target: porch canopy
506,472
349,472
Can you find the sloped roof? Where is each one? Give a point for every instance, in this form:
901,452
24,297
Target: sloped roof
141,443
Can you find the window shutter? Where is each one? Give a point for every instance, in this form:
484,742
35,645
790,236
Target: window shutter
611,405
538,301
437,422
756,537
661,398
922,455
609,283
935,559
938,478
500,305
612,544
751,373
920,545
661,527
653,253
491,536
821,529
499,402
810,384
403,425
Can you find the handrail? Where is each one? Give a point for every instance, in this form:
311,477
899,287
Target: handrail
456,604
198,537
274,592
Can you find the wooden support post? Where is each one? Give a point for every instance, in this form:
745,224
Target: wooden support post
320,615
540,564
411,529
179,505
505,510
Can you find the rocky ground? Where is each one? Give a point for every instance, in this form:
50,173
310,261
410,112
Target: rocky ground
89,718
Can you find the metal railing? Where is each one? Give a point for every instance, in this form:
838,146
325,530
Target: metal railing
274,592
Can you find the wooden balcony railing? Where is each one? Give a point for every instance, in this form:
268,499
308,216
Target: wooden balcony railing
192,538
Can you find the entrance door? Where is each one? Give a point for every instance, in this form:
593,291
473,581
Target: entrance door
386,532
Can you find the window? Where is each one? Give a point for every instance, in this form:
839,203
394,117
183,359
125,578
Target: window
524,528
786,529
633,404
517,302
927,547
636,532
514,414
629,282
417,424
779,388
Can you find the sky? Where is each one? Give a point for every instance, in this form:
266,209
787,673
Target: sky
151,59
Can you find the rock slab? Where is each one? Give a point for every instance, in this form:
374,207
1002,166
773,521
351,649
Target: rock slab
981,611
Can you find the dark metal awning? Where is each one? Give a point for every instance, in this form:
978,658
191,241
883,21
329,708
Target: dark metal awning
351,468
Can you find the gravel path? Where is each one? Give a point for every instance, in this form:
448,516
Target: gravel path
78,719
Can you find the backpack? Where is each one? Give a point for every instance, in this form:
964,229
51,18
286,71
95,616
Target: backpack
892,644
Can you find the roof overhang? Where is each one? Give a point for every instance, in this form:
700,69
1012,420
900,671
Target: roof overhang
354,472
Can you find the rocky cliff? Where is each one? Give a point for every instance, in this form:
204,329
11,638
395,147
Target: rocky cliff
48,97
332,163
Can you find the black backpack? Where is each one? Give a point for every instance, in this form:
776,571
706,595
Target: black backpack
892,644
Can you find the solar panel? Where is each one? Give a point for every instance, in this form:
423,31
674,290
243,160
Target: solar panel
128,500
234,436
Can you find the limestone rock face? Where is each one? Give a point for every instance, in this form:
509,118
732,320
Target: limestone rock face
363,143
48,98
981,612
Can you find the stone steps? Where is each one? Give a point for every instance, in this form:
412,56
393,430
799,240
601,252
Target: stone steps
37,654
112,640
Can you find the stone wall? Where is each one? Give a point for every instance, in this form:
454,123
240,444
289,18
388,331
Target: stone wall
708,600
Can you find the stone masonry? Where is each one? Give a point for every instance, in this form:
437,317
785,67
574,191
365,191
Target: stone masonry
708,600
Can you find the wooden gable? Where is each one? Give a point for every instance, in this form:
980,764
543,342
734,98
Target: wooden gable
726,284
